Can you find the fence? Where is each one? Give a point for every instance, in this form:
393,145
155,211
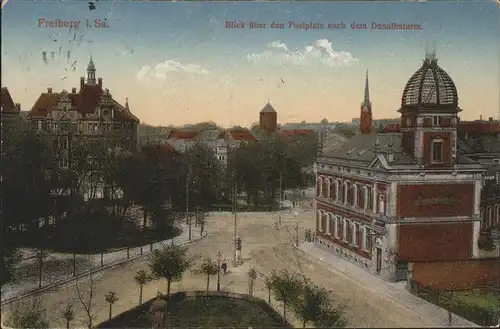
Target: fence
481,316
58,267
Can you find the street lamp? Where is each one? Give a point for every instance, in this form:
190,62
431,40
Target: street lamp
218,270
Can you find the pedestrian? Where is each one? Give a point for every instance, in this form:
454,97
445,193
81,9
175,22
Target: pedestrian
224,267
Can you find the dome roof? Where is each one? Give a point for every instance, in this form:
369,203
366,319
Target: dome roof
430,85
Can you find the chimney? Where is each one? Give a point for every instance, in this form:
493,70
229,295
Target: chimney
99,81
49,90
18,106
82,82
73,90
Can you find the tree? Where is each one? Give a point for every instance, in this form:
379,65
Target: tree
68,314
330,317
170,263
286,287
141,277
311,301
28,314
208,267
269,285
85,295
252,276
111,298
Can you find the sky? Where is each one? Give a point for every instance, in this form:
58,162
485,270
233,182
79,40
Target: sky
179,63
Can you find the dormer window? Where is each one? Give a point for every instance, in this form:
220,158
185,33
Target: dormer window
437,151
436,121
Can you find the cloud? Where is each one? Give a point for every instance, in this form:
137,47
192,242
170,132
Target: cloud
321,51
162,70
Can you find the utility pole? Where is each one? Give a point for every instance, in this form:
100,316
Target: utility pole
279,206
188,220
235,209
297,234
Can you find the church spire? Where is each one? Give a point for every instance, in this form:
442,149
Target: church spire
366,102
91,72
365,122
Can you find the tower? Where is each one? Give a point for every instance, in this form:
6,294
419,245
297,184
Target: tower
91,72
429,115
268,118
365,122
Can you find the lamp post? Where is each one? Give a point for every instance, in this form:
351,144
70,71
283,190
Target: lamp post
218,270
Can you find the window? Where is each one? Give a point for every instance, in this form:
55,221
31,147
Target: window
346,189
337,224
328,226
355,228
496,161
369,199
344,229
436,120
63,162
63,143
355,188
437,151
337,185
318,216
367,239
39,125
408,121
381,206
54,126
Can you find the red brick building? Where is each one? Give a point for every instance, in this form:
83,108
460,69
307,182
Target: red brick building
388,199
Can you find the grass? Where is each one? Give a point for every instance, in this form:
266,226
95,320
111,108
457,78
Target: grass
213,312
479,298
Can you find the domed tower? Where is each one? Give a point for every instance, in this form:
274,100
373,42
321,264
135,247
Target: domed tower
365,120
429,115
268,118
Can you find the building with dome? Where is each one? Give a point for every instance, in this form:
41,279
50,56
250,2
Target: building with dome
406,205
90,114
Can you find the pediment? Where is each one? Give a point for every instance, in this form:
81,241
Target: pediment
379,163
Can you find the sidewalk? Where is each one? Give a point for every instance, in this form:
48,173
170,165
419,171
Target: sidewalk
393,291
59,266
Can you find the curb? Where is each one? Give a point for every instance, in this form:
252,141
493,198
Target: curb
84,274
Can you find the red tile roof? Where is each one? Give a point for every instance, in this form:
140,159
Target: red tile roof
296,132
8,105
179,134
85,102
242,136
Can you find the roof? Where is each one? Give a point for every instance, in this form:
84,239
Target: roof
332,142
362,148
242,136
179,134
487,143
85,102
8,105
296,132
430,85
268,108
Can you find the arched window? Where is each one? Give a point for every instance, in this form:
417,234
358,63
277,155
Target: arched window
328,223
337,188
319,186
355,198
381,204
346,190
318,221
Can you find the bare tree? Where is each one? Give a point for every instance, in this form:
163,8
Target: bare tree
252,276
68,314
85,296
111,298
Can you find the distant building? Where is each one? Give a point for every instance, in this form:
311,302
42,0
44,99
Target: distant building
385,200
268,118
11,112
366,124
89,114
221,141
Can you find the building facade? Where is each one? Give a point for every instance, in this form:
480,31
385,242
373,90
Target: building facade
87,115
387,199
